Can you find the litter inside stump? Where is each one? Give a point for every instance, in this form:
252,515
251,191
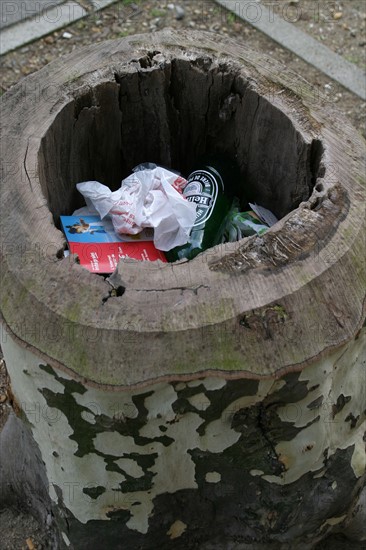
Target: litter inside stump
238,225
156,210
99,248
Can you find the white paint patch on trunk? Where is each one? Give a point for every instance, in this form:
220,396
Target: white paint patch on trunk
115,444
177,529
341,381
335,521
68,472
358,461
66,539
171,464
213,477
160,402
113,405
256,473
303,453
211,383
88,417
200,401
130,467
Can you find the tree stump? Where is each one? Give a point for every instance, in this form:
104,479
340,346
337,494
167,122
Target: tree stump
217,403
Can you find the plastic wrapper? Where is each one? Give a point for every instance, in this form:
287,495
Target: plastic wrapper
150,197
266,216
238,225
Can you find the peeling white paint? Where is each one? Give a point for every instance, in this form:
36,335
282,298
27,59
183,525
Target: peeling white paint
115,444
194,383
358,461
177,529
130,467
200,401
211,383
52,492
141,509
341,374
256,473
66,539
172,466
218,437
88,417
160,402
320,473
303,453
113,405
335,521
213,477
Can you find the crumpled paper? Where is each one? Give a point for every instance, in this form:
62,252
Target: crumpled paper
150,197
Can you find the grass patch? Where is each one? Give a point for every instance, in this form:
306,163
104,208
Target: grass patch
155,12
230,18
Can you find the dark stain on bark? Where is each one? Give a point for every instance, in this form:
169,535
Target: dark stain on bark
94,492
341,402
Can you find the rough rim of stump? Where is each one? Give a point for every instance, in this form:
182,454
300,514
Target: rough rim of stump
254,309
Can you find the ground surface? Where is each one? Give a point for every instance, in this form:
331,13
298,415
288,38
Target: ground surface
339,25
20,531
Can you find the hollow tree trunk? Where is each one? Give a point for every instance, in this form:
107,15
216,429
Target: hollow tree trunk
217,403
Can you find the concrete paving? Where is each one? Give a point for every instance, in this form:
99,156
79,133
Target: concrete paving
23,21
290,37
43,23
13,11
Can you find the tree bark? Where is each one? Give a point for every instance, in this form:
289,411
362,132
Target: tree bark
212,403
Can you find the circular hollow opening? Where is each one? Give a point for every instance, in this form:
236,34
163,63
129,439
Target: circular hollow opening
173,113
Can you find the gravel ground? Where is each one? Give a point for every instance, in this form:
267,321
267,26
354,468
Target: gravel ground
339,25
20,531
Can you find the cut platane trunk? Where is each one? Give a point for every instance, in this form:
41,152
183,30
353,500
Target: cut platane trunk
217,403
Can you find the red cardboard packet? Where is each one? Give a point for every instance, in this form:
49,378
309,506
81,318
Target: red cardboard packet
99,248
